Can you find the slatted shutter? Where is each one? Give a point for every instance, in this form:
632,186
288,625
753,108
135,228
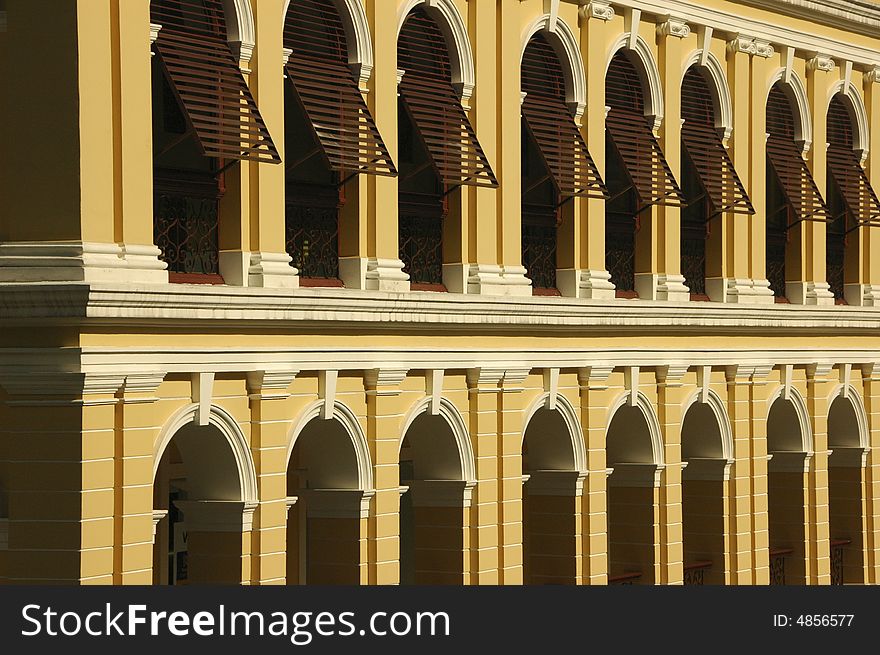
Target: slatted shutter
206,79
628,129
551,125
328,91
434,106
703,145
794,177
859,198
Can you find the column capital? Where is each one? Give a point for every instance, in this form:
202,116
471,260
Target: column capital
673,26
597,9
820,62
670,375
748,373
819,371
142,385
269,385
385,381
595,376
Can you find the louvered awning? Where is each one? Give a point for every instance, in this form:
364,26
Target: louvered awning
206,79
328,92
783,154
631,136
551,125
859,199
434,107
702,144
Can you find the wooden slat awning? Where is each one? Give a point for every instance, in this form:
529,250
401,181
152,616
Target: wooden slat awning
783,154
206,79
859,199
328,91
434,106
550,123
715,171
633,139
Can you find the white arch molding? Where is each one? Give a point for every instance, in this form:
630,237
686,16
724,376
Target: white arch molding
455,32
803,415
229,428
713,69
849,393
357,36
858,114
564,42
713,400
796,91
240,28
572,423
452,417
648,73
647,409
347,419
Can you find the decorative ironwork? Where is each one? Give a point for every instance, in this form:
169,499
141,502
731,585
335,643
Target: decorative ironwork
421,238
835,249
702,145
434,106
328,92
219,107
185,222
777,564
312,221
838,547
539,247
693,257
546,115
694,573
626,125
624,579
620,251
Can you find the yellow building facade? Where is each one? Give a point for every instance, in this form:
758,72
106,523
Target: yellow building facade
591,296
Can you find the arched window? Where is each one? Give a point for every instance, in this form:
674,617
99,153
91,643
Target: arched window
792,194
330,137
556,163
709,181
438,148
851,200
204,121
636,172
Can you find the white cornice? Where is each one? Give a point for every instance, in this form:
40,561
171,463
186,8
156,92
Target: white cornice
853,15
44,304
736,22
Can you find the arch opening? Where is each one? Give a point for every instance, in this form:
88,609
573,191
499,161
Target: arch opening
437,481
633,455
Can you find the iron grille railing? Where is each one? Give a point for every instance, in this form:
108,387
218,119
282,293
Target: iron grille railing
539,247
838,547
693,258
625,579
186,223
620,251
694,573
312,221
219,107
421,239
777,564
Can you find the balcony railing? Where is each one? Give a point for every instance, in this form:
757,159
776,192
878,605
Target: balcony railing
777,564
694,572
837,552
628,578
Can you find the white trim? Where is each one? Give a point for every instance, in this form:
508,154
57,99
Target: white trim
849,393
240,28
649,74
348,420
575,432
227,425
713,69
858,115
456,423
564,42
796,91
717,406
647,409
800,408
357,36
455,32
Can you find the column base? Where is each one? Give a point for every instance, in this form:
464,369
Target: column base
809,293
862,295
80,261
272,270
742,291
487,280
671,288
369,273
585,283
